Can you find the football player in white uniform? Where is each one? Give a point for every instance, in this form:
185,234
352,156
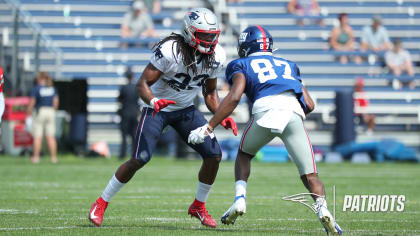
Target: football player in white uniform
182,65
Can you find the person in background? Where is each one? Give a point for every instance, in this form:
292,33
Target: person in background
42,106
153,5
130,108
305,8
361,102
375,37
398,60
1,94
342,38
137,23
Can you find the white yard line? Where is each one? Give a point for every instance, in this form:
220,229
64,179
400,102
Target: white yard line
15,211
351,232
352,220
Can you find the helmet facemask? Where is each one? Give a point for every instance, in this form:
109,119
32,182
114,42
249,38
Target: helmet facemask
204,41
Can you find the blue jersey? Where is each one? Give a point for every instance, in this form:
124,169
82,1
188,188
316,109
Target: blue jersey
267,75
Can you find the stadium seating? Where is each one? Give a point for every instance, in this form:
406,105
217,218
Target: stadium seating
90,40
396,111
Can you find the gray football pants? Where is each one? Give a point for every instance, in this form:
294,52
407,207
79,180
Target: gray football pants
294,137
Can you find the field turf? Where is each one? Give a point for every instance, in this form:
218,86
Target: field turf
47,199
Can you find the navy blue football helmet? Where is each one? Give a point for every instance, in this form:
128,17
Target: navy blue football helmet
254,39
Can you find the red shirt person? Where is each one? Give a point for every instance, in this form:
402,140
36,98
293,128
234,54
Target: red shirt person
361,102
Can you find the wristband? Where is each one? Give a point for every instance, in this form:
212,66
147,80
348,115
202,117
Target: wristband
210,128
152,102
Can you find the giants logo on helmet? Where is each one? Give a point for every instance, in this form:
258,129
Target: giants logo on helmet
242,37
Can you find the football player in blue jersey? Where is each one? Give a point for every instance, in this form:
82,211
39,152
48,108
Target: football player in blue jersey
181,66
280,103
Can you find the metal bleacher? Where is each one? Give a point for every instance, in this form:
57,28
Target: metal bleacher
88,33
397,111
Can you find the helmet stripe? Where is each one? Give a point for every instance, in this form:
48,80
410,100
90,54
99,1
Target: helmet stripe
264,38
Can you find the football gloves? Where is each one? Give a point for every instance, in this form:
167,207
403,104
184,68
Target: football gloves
198,135
159,104
229,123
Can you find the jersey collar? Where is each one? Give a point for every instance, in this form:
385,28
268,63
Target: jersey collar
260,54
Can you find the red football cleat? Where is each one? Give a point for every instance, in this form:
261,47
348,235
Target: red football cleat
97,211
201,213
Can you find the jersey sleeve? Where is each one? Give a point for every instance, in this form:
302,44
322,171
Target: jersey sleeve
233,68
297,72
220,60
163,57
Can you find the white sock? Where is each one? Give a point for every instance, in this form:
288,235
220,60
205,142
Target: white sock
240,187
203,191
321,201
112,188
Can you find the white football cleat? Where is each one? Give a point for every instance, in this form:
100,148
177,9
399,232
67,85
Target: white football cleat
237,209
328,221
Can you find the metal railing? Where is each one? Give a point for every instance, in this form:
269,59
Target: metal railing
20,14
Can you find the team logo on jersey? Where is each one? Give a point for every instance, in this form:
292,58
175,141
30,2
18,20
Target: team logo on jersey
242,37
193,16
158,53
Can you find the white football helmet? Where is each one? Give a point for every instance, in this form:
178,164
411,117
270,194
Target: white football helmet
201,30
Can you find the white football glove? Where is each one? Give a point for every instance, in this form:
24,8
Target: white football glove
198,135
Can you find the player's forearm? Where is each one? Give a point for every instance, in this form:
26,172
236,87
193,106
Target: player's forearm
149,76
310,105
144,91
212,101
224,110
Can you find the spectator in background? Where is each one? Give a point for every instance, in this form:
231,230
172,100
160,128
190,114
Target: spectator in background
129,111
375,37
42,106
342,39
137,23
153,6
305,8
361,102
399,61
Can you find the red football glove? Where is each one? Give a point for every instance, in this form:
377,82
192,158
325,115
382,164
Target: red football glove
159,104
228,123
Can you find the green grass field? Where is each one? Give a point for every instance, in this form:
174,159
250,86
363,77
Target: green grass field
47,199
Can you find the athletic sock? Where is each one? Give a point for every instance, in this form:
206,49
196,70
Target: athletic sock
240,188
111,189
320,201
202,193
